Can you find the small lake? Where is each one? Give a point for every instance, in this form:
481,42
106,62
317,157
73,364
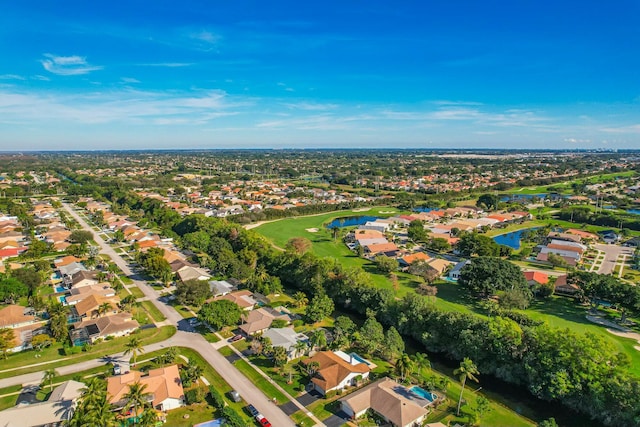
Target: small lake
351,221
511,239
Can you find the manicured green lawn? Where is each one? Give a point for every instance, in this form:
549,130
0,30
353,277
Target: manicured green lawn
301,419
565,313
136,292
153,311
259,381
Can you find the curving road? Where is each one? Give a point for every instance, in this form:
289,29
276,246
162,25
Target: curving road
195,341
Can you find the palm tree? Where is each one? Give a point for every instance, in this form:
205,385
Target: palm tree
301,347
312,368
287,370
300,299
93,407
466,370
104,308
404,366
134,347
48,376
421,361
318,339
137,398
279,356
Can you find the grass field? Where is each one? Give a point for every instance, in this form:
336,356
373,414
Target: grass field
153,311
565,186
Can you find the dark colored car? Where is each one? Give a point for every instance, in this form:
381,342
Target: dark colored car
236,338
252,410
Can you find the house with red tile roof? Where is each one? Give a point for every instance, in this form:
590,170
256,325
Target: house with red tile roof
334,372
163,384
536,278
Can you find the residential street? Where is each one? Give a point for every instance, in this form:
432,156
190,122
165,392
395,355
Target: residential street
195,341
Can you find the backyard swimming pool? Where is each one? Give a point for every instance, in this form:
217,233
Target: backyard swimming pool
60,289
420,392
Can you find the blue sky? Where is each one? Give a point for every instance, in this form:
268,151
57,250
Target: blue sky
347,74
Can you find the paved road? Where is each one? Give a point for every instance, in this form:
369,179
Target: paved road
195,341
611,254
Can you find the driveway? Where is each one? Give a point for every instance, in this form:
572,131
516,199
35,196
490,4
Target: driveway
226,370
611,254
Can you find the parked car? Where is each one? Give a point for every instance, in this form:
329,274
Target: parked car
236,338
116,369
252,410
235,396
264,422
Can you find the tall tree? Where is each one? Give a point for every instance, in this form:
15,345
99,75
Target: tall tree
134,347
421,361
466,370
220,313
320,307
48,377
137,397
404,366
6,341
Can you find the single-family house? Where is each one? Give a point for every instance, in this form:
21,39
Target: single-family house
115,325
244,299
15,316
83,278
390,400
440,265
55,411
536,278
454,273
286,338
193,273
220,287
162,384
563,287
334,372
260,319
407,260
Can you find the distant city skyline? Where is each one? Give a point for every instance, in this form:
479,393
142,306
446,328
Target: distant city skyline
249,74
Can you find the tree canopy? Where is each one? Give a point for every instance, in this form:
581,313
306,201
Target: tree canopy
485,276
220,313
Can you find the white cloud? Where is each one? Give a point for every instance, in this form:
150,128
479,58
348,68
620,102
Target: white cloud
168,64
206,37
310,106
129,80
577,140
67,65
122,106
622,129
11,77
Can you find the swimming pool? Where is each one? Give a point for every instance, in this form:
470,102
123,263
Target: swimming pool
420,392
359,359
212,423
63,300
60,289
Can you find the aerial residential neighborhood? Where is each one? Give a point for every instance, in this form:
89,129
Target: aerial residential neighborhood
175,306
319,214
